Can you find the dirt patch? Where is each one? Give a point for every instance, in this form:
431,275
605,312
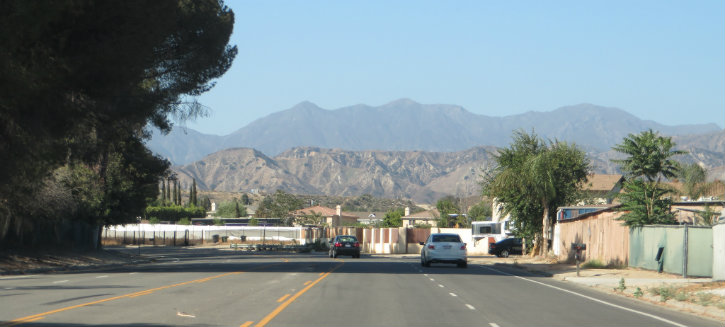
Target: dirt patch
30,261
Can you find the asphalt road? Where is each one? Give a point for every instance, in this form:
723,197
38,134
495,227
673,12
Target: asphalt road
213,287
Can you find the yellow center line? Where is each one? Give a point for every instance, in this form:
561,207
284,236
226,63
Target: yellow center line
34,317
283,297
246,324
308,282
284,305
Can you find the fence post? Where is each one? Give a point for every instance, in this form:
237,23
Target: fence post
685,254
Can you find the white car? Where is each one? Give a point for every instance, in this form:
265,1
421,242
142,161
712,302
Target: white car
443,248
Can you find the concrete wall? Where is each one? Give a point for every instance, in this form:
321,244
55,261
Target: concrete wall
606,238
718,253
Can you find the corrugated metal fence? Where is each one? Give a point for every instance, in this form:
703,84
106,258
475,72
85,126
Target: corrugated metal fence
685,250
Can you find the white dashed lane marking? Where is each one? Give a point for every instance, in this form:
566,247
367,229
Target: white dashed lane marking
453,294
470,307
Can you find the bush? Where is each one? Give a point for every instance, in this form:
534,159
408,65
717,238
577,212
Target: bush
174,213
154,220
184,221
594,264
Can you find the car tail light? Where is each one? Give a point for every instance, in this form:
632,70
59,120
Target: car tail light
463,247
338,244
432,247
357,244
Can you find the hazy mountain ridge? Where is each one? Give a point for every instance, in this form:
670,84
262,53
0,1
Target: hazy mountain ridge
405,125
417,175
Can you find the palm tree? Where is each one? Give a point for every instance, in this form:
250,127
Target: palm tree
649,156
692,177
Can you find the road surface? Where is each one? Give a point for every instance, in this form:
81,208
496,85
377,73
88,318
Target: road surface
217,287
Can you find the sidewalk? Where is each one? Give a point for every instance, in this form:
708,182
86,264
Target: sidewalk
700,296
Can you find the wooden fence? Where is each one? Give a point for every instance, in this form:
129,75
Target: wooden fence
606,238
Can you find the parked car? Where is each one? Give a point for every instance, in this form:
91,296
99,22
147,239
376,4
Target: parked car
505,247
344,245
443,248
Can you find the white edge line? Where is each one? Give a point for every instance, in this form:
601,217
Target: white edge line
60,281
592,298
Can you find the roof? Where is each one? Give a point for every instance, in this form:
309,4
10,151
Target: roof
602,182
324,211
430,214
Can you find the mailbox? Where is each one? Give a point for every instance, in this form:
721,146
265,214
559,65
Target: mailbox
578,246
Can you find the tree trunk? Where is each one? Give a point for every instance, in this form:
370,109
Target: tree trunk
545,232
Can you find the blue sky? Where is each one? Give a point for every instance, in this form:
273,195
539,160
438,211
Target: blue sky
659,60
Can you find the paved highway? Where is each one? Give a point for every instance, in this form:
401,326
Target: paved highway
215,287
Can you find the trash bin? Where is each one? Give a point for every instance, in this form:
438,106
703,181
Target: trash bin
224,239
244,238
215,238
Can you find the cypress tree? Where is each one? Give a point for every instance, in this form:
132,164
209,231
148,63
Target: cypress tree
163,191
178,192
168,192
174,193
192,195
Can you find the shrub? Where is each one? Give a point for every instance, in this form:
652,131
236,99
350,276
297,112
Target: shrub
174,213
594,264
681,296
638,292
184,221
621,286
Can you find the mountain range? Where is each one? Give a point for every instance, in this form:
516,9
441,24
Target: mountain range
405,125
402,149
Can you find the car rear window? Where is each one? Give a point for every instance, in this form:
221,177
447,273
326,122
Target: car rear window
347,239
446,238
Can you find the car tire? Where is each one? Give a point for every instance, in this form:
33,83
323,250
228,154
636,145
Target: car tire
505,253
463,265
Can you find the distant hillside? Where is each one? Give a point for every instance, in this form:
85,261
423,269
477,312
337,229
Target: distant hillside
418,175
405,125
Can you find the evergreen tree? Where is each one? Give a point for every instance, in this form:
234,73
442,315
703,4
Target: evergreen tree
192,193
175,193
80,82
168,192
163,192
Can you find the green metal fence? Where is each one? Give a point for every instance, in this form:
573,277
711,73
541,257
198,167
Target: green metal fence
684,250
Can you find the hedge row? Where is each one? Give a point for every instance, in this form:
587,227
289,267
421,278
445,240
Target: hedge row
174,213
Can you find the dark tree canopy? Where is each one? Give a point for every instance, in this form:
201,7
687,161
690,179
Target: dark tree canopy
81,80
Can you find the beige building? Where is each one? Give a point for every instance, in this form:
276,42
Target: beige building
330,217
429,217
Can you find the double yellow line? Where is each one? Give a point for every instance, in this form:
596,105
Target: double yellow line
291,299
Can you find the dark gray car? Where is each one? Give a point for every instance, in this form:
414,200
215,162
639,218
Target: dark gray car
344,245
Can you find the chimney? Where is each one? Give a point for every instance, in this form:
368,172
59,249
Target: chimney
407,211
338,210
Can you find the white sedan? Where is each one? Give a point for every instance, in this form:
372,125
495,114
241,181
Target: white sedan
443,248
